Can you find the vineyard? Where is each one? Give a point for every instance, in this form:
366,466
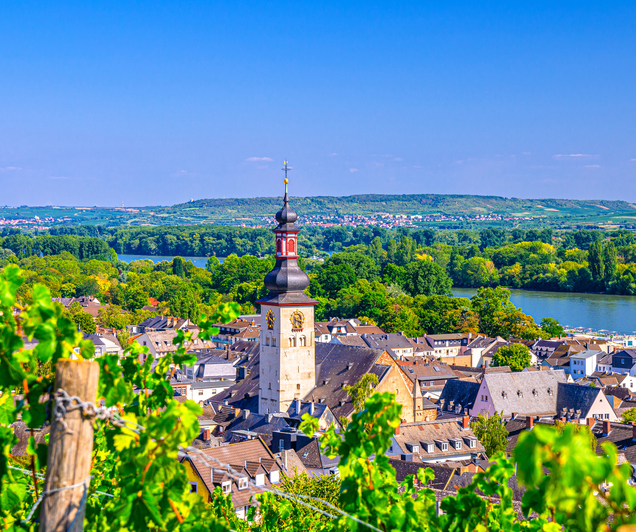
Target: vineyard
111,461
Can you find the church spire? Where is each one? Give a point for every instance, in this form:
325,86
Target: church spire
287,277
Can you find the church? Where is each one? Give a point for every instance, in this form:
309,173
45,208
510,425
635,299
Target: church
287,366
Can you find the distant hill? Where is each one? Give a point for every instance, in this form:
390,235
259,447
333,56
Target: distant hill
441,210
369,204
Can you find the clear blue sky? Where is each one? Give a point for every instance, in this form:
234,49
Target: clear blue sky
158,102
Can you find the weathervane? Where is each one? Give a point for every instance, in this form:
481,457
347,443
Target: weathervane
286,169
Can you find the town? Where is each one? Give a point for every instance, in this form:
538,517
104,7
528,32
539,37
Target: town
259,375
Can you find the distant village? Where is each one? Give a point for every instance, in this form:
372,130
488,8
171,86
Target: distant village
261,373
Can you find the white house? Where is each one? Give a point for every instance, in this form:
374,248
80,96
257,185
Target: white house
583,364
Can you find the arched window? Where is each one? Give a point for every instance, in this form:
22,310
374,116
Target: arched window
291,246
279,246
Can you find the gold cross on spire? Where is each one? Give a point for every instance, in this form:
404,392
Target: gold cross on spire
286,169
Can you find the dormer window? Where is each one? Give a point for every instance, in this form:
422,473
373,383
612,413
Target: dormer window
534,392
413,447
472,442
428,446
242,483
442,444
520,393
457,443
260,479
274,477
226,487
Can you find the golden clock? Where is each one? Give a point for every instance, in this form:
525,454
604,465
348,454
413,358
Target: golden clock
297,320
270,319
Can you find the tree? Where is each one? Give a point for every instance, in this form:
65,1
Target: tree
516,356
427,278
610,263
178,266
362,390
491,432
629,415
85,322
184,305
552,327
595,260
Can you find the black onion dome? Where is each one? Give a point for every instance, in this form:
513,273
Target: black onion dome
286,215
286,277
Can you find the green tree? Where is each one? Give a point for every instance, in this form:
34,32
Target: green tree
629,415
610,263
178,266
427,278
516,356
85,322
595,260
552,327
185,305
492,433
362,390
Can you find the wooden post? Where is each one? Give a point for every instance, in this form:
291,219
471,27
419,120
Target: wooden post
70,450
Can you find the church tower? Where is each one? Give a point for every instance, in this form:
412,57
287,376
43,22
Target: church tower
287,350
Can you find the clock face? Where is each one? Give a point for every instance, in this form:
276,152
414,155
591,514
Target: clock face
270,319
297,320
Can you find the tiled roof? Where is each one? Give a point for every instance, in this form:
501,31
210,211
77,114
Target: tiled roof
238,455
531,393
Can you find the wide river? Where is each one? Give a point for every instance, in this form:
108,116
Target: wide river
594,311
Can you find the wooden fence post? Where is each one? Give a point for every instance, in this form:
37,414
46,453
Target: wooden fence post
70,450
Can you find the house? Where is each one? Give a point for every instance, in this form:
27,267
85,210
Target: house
421,348
604,363
161,323
353,341
326,331
315,461
544,348
89,304
431,376
458,396
624,361
105,344
583,402
253,467
526,393
435,441
448,347
397,343
239,329
321,412
584,363
160,343
540,393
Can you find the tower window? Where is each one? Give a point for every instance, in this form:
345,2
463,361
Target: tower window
273,342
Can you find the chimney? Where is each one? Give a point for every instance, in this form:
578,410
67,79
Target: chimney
591,422
607,427
514,415
465,422
206,434
297,406
312,408
529,422
397,430
246,413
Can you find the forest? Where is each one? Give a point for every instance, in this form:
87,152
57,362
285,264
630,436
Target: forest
568,261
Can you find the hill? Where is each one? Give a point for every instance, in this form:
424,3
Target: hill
428,210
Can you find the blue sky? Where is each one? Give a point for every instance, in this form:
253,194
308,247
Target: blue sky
152,103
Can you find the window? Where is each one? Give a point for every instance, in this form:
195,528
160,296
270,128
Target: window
273,342
472,443
194,487
274,477
260,479
281,445
226,487
242,484
606,416
298,386
444,446
200,392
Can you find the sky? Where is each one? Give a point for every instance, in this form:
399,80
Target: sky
155,103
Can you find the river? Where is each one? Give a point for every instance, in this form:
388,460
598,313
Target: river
197,261
594,311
